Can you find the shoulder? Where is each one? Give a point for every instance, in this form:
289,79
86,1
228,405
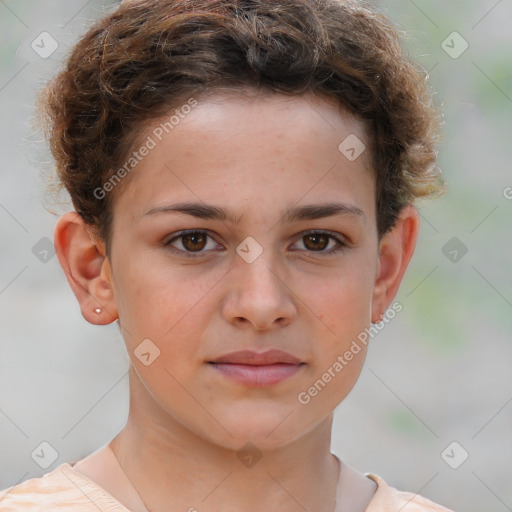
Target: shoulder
61,489
388,498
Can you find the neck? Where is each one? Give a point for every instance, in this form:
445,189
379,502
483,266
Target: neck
173,469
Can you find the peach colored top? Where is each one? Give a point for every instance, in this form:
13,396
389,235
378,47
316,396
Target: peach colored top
66,490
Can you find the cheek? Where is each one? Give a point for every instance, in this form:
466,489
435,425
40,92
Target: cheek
166,305
344,306
342,302
149,293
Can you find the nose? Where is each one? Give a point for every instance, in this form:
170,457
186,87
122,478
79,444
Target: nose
259,294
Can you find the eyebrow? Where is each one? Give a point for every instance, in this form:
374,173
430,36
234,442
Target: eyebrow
309,212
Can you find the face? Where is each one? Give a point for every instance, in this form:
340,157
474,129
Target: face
246,228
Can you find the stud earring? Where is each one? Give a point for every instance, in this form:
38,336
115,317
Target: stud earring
97,311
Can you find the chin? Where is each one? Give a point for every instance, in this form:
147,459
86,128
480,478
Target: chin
265,432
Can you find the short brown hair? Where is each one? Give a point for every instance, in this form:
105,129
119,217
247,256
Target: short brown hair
146,57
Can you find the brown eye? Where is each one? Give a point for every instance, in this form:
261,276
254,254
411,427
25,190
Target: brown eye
316,241
191,243
319,241
194,241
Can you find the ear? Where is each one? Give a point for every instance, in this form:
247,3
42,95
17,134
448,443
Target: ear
395,251
83,259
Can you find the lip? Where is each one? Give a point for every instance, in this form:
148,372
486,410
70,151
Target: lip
251,357
258,369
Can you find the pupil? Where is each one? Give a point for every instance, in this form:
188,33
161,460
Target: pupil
315,239
197,239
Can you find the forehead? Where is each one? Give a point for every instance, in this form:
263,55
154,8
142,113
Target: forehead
223,113
259,112
237,145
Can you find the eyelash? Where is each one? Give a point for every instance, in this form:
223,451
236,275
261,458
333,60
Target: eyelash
340,247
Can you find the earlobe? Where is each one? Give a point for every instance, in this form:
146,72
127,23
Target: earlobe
87,268
395,252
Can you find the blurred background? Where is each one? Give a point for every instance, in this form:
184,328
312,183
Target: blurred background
432,411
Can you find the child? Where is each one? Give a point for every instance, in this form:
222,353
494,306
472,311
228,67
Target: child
243,176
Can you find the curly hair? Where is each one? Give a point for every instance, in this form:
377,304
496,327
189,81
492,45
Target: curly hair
145,58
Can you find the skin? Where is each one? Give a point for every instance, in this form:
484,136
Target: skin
257,158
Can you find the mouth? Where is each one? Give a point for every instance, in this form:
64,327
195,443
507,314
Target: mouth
258,376
252,357
258,370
